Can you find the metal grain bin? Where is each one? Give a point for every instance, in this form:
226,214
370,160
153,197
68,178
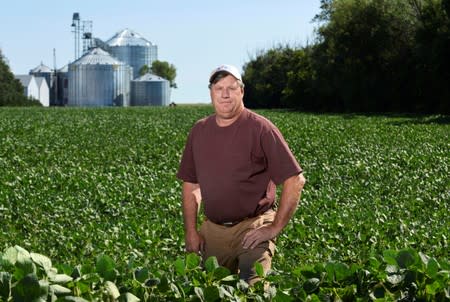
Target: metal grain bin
131,48
61,87
150,90
98,79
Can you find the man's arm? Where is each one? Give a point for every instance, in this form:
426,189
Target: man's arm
290,196
191,203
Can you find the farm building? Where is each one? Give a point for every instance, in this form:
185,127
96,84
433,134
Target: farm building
35,87
103,75
150,90
98,79
132,49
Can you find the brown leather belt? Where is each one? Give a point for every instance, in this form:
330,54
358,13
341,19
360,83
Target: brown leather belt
233,223
229,224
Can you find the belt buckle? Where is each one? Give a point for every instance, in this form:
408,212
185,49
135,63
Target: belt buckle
229,223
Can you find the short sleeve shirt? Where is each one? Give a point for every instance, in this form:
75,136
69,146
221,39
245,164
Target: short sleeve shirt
235,165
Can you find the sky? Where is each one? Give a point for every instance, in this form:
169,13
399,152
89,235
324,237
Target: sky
195,36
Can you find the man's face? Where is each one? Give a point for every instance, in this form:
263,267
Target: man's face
227,97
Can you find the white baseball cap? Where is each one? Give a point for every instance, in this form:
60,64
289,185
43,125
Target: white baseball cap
226,68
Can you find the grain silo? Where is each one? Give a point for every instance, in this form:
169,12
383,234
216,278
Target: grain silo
150,90
98,79
131,48
61,87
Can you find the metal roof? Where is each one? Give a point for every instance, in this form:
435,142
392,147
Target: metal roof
128,37
150,77
97,56
40,68
65,68
24,79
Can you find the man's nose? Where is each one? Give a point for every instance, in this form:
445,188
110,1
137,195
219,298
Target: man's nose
225,92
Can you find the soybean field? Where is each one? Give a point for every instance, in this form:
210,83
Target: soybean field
94,190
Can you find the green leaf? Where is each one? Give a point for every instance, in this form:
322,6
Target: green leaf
392,269
230,277
42,261
307,272
282,297
180,267
424,258
76,273
378,292
21,252
211,293
28,287
406,258
341,271
5,285
141,274
192,261
220,273
163,285
128,297
211,264
389,256
74,299
433,288
152,282
61,278
112,290
105,267
199,293
432,267
10,256
59,290
311,285
395,279
374,263
259,269
24,266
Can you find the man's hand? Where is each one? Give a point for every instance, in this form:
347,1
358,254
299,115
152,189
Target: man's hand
256,236
195,243
290,197
191,202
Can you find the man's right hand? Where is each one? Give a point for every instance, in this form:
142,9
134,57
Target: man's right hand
195,243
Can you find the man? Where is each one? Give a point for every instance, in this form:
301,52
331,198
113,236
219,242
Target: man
231,162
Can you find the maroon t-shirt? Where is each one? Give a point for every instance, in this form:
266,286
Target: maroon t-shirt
235,165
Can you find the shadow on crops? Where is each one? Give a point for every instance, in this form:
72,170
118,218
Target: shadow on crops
424,120
405,119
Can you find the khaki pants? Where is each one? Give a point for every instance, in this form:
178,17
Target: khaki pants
225,243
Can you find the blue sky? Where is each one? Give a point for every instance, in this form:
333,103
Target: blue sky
195,36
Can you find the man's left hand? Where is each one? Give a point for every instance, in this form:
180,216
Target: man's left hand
254,237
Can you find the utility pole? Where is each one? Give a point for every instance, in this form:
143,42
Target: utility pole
55,80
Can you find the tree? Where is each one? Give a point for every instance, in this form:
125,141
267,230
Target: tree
432,56
11,90
144,69
266,76
165,70
363,59
368,56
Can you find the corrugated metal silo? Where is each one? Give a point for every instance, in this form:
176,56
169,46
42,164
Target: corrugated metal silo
150,90
61,89
131,48
98,79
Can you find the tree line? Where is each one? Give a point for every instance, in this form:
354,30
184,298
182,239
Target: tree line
11,90
367,56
